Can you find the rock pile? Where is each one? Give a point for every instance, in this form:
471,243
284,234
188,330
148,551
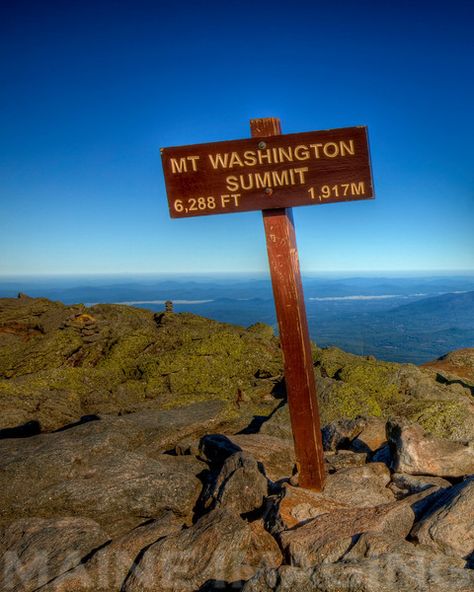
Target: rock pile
143,452
150,502
59,363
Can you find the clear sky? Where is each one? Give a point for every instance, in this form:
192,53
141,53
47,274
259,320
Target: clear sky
90,90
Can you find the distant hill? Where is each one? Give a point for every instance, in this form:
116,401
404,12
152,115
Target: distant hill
449,307
414,332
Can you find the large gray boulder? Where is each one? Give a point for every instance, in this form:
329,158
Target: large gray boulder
106,570
35,550
303,543
419,453
240,485
219,547
448,525
95,472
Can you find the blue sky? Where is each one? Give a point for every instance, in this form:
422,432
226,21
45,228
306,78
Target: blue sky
89,92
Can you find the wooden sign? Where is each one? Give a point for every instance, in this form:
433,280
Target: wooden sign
272,172
264,172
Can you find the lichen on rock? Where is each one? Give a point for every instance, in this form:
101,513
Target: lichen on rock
116,358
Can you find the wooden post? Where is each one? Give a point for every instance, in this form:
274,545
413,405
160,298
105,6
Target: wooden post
294,334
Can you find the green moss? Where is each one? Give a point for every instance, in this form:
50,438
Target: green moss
348,401
373,378
442,418
362,385
330,360
117,358
44,352
128,351
265,331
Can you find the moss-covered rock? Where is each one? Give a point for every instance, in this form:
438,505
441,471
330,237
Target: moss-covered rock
364,386
349,401
60,362
360,386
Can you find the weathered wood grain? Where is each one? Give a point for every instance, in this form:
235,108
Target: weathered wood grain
268,172
294,334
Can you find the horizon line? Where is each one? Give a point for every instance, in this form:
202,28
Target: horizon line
229,273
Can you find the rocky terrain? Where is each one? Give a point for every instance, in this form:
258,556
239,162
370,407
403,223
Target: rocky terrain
455,365
153,452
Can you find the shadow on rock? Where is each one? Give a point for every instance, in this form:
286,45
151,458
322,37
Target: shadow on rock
221,586
25,430
257,422
84,419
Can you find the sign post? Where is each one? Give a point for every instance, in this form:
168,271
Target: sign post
272,172
294,333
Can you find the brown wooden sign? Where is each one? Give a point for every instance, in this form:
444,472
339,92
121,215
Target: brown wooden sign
264,172
273,172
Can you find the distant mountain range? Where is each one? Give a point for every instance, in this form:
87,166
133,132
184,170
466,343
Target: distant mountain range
411,332
401,319
451,308
121,289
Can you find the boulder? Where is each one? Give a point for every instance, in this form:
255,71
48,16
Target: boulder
216,448
388,572
302,542
35,550
278,424
275,454
361,486
377,544
403,485
417,453
296,506
372,437
340,433
220,547
374,544
394,571
107,568
92,472
149,432
448,524
240,485
161,429
344,459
